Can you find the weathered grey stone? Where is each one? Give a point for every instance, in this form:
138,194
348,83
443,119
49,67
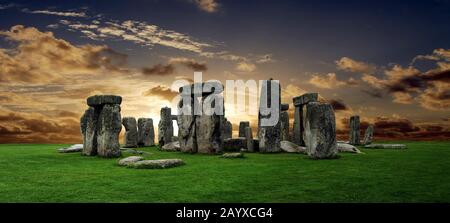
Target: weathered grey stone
368,135
284,118
131,132
129,160
156,164
291,147
146,132
232,155
234,144
344,147
109,126
171,147
72,149
88,124
269,136
208,134
186,133
204,131
208,127
165,126
298,128
354,130
242,126
104,99
305,99
249,139
284,107
385,146
227,129
320,130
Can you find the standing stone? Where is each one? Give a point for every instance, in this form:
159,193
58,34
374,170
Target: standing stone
165,126
186,127
227,129
269,136
354,130
299,103
101,125
131,134
208,127
249,139
242,126
89,131
284,117
368,136
204,131
320,130
146,132
109,126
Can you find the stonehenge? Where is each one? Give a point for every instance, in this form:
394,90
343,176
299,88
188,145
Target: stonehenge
203,127
354,130
100,126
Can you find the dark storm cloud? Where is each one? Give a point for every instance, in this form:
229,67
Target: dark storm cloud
162,92
373,93
338,105
159,69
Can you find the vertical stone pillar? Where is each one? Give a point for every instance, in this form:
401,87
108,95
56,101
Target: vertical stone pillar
368,135
269,136
146,132
354,138
284,117
108,131
227,129
320,130
131,132
249,139
242,126
299,103
201,132
101,125
165,126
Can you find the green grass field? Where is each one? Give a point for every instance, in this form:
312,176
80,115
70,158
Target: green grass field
37,173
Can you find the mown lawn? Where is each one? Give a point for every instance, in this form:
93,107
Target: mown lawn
37,173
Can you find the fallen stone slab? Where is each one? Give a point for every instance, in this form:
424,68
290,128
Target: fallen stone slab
157,164
171,147
129,160
386,146
72,149
291,147
232,155
347,148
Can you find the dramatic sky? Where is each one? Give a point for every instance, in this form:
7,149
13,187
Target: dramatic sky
387,61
